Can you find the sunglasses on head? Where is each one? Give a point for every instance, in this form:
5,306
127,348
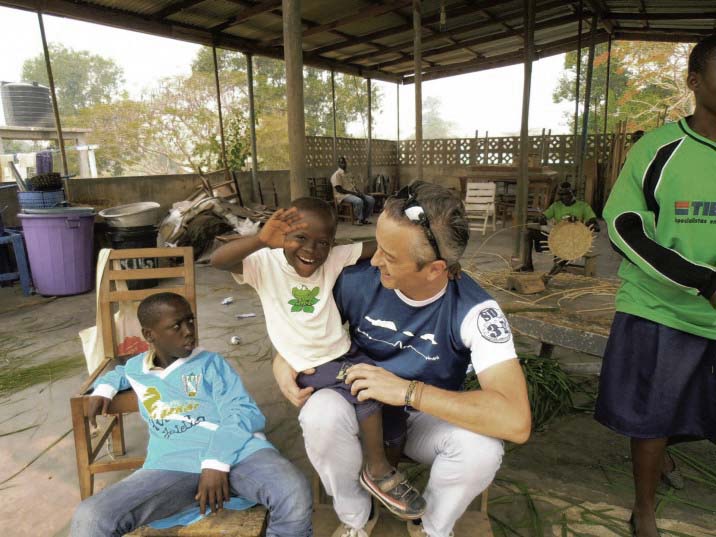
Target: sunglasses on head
415,213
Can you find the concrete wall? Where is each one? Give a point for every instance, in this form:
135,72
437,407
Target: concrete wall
449,174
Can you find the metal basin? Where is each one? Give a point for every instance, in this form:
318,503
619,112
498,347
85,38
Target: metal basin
132,215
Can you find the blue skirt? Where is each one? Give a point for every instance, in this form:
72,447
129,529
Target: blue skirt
657,382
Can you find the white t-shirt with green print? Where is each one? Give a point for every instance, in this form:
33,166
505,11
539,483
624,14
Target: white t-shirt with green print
302,318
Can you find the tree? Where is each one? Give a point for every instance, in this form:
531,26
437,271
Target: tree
646,79
434,125
270,100
82,79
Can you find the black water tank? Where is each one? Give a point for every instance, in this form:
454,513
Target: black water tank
26,105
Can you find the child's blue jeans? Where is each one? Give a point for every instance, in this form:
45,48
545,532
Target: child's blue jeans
265,477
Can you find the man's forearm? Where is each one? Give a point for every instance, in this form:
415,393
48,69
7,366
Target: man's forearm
481,411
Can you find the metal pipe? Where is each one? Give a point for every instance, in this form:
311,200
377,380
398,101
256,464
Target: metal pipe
55,107
333,101
587,98
370,132
418,79
252,124
227,175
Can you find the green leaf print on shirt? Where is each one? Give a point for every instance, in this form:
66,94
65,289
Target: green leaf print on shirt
304,299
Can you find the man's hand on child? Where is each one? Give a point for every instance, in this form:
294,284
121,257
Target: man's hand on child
281,223
286,379
213,490
373,382
97,405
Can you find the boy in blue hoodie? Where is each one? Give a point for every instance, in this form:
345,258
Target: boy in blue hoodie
205,439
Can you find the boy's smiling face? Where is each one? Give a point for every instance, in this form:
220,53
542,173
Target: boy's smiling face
173,335
307,249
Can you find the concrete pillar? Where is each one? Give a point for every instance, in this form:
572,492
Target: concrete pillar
523,177
293,58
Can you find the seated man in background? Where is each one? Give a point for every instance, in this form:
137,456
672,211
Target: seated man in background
566,208
345,189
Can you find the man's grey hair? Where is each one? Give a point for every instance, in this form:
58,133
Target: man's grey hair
446,214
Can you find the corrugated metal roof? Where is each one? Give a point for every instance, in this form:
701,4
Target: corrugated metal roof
373,38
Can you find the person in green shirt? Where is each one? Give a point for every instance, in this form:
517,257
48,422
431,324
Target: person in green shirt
568,207
657,384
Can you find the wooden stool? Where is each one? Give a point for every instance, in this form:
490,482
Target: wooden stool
344,211
590,265
14,239
226,523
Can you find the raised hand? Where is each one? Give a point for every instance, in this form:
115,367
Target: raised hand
281,223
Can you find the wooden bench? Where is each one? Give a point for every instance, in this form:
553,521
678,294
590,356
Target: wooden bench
226,523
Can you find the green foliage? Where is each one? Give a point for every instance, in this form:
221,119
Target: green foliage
434,125
647,81
174,126
549,388
82,79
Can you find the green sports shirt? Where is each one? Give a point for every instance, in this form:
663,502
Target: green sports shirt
579,209
661,217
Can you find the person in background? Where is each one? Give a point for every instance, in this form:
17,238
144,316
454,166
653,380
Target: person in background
346,189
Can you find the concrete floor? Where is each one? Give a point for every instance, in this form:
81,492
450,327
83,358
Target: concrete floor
576,473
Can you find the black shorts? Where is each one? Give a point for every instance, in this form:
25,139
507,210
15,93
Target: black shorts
657,382
331,376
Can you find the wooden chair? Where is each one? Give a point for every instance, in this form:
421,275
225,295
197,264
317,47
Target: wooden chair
87,451
480,204
321,188
268,193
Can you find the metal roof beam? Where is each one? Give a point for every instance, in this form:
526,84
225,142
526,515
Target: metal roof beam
600,8
400,28
125,20
176,7
261,7
541,51
701,15
373,11
560,21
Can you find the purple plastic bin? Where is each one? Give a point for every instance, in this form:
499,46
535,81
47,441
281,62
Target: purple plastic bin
60,246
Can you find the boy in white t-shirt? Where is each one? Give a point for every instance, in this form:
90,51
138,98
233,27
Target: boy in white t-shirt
293,266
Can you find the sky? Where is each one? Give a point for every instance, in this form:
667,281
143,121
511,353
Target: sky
486,101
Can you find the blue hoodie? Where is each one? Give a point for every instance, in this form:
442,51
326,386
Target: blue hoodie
197,409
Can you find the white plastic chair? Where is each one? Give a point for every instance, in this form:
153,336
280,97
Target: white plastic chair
480,205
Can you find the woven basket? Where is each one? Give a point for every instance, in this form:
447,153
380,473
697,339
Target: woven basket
45,182
570,240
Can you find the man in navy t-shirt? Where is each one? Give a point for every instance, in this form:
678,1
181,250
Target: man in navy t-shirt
423,330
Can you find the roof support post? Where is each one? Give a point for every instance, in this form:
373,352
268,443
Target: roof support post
606,88
227,173
55,107
293,58
523,176
580,11
252,124
333,107
370,132
587,99
418,55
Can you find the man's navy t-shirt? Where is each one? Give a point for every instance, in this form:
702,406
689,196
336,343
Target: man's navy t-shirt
433,340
